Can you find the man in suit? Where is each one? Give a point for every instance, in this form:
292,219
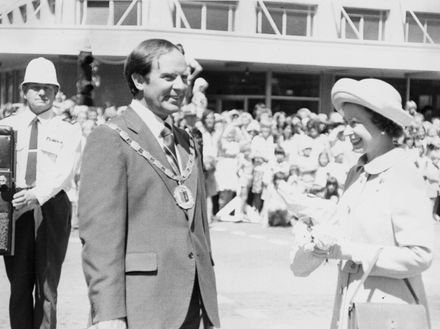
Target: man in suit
46,150
143,223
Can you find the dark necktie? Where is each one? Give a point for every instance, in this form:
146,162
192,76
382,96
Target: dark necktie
170,148
31,168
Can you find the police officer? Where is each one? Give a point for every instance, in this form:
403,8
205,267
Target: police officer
46,149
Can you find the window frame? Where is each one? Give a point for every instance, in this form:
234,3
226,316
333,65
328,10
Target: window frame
203,5
423,18
362,14
285,9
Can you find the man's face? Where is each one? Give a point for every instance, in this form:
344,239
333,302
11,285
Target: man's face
165,87
40,97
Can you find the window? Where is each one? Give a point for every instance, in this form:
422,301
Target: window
291,91
289,19
97,12
235,82
429,22
295,85
369,23
206,15
109,12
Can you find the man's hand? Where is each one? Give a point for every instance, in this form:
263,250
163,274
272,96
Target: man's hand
110,324
24,198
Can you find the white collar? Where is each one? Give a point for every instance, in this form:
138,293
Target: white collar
43,117
153,122
382,162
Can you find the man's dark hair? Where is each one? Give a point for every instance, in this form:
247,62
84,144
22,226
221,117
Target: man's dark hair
142,57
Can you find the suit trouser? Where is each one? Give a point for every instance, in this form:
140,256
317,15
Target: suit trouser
37,263
196,316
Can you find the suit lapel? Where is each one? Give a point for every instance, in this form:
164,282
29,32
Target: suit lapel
145,138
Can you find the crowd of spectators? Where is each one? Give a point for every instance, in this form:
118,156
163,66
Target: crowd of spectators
246,154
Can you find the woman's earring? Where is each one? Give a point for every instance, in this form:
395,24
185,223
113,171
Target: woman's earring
382,132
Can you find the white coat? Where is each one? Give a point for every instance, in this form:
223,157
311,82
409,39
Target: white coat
384,206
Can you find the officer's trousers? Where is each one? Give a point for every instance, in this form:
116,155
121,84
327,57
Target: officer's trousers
34,271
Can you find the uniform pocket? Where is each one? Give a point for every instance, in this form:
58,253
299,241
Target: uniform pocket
141,262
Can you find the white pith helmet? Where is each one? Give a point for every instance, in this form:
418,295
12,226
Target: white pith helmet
41,70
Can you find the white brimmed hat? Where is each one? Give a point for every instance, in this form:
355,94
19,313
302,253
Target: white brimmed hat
41,70
374,94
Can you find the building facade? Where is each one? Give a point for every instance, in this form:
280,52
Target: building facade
285,53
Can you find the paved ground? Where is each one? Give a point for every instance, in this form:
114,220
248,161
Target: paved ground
256,288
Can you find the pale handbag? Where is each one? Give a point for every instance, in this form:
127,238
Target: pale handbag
386,315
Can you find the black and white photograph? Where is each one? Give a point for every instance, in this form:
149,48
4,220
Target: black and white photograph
234,164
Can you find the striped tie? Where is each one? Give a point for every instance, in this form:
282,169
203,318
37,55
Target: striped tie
170,148
31,168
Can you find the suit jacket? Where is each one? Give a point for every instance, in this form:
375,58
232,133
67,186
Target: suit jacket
141,251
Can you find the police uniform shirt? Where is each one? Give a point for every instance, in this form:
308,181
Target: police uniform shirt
58,147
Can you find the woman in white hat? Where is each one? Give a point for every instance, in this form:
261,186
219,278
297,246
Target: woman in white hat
384,208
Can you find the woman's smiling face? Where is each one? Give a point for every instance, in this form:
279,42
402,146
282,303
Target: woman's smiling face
363,134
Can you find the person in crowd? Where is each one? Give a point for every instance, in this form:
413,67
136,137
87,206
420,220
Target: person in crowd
279,119
384,209
253,129
244,120
227,163
428,165
339,167
245,169
194,65
281,164
411,107
210,152
274,207
307,163
264,142
320,140
261,179
146,251
331,190
321,175
46,149
92,114
110,112
259,109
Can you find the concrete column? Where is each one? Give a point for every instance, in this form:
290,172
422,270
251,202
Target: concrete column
159,13
246,17
326,82
394,25
326,21
69,11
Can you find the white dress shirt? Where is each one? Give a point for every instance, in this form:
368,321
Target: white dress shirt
154,123
58,145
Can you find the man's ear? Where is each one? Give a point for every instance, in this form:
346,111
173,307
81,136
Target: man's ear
138,81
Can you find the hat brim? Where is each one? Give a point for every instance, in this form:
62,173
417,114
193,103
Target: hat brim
40,83
356,92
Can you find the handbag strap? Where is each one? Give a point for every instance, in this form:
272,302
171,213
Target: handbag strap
367,273
411,290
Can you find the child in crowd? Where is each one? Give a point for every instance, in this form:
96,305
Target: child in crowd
338,168
431,173
261,178
331,191
307,164
321,174
245,173
281,164
275,207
